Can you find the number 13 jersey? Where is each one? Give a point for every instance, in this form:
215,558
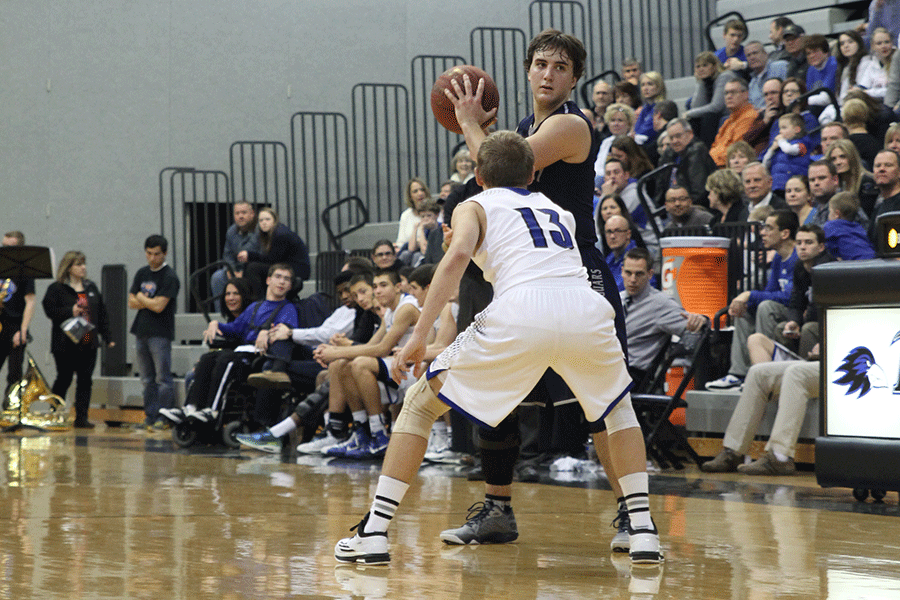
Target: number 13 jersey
528,239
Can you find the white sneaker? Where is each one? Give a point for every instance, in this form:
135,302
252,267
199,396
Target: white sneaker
644,546
204,416
363,548
317,444
438,445
174,415
725,383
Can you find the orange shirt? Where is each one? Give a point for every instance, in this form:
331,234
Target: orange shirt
731,131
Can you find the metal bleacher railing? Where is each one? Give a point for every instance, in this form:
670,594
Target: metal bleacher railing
391,135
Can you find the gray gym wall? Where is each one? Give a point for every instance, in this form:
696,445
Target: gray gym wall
97,96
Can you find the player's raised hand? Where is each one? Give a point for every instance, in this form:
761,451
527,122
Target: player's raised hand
467,103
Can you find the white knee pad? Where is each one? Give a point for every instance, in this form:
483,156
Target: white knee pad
621,416
421,408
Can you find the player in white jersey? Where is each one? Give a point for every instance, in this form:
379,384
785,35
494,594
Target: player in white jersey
544,314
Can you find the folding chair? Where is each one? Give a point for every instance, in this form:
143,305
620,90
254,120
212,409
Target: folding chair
653,409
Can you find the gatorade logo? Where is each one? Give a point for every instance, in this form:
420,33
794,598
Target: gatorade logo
670,268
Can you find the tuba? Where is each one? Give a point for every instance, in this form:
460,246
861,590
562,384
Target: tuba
30,403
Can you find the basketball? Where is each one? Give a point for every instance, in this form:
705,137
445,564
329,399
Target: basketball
442,107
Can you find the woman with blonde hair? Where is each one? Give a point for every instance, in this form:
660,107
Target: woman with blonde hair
851,174
620,120
462,166
416,193
74,295
856,117
874,77
892,138
653,90
726,191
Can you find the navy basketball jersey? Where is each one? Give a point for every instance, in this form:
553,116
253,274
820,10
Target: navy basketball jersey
569,185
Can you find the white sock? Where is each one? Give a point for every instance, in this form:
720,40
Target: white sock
388,496
360,416
283,428
634,488
439,427
781,457
327,417
375,424
188,409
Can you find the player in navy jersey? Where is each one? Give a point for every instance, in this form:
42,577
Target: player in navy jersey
565,146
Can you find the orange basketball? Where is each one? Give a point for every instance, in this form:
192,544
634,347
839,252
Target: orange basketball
442,107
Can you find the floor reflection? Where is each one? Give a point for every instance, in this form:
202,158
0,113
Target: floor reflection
115,514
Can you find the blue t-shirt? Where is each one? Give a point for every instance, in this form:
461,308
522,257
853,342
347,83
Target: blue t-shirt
824,77
247,325
780,284
722,56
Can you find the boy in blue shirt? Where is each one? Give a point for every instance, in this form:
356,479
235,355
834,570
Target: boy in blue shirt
845,239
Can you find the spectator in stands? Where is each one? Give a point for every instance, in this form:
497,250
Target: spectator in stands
793,36
631,71
602,97
798,198
732,54
237,297
801,333
880,116
73,295
892,138
277,244
651,316
856,115
887,178
252,327
852,176
663,112
462,167
628,93
833,132
789,153
740,154
624,147
240,236
611,205
882,13
741,117
761,69
792,384
726,197
874,76
384,256
620,181
707,106
619,119
761,310
758,187
776,35
682,212
765,126
693,165
617,232
823,184
822,69
653,90
446,188
791,90
418,241
845,239
152,295
851,59
416,193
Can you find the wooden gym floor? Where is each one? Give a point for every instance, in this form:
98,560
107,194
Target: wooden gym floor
115,513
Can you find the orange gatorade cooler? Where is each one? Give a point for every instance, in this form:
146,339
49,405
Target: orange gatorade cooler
695,272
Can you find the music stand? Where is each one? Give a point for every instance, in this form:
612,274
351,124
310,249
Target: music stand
33,262
20,262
